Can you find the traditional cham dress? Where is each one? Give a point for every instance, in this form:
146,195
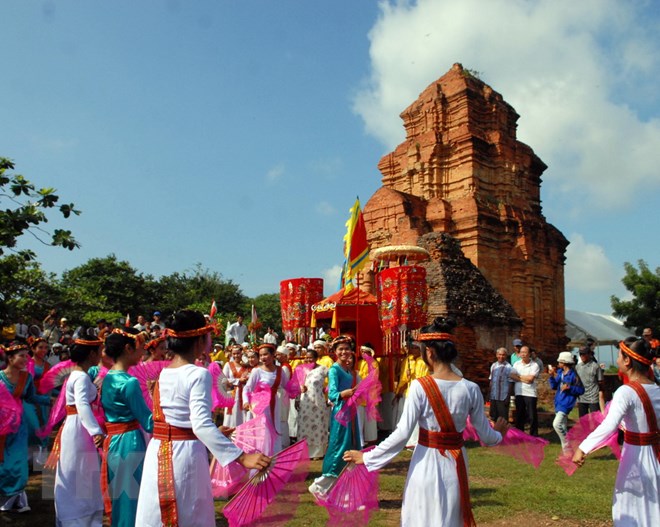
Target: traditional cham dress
342,438
637,488
276,380
36,414
313,413
124,446
182,413
235,415
14,447
78,498
406,376
432,494
368,427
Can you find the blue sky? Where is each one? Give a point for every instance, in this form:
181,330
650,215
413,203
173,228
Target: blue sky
237,134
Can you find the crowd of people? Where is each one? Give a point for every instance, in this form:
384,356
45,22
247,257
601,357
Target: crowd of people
154,464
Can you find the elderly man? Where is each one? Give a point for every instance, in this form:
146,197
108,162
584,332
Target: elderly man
524,373
500,386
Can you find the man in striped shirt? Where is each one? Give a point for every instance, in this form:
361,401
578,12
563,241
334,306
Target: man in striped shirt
500,386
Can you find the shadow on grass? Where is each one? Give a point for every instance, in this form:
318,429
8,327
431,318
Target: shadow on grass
390,504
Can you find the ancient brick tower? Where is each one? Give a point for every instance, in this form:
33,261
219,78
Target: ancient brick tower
462,171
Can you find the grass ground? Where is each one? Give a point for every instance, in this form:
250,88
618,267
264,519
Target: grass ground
504,492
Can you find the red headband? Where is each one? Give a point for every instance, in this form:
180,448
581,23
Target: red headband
435,336
81,342
633,355
191,332
153,344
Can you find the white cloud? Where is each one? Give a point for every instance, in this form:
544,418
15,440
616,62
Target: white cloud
324,208
563,65
275,173
588,269
331,278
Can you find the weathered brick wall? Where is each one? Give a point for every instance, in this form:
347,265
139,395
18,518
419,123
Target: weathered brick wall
462,171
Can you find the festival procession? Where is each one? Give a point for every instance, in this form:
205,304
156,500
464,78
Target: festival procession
154,423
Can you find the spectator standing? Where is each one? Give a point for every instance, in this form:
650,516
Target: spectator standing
515,356
21,330
237,331
158,320
591,377
525,372
270,337
140,323
568,386
647,335
500,386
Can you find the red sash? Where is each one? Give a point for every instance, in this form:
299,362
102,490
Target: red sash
16,394
447,440
166,433
652,437
54,456
113,429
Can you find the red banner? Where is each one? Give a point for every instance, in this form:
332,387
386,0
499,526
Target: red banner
402,297
296,298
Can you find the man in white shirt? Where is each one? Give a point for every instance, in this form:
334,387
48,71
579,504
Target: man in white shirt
270,337
21,330
237,331
524,373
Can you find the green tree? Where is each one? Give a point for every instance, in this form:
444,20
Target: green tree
196,289
106,286
268,311
644,308
26,290
23,210
27,212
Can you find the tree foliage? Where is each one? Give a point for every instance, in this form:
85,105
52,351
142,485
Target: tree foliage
23,284
199,287
26,290
268,311
644,308
23,210
106,285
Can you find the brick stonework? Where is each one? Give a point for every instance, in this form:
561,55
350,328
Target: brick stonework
461,171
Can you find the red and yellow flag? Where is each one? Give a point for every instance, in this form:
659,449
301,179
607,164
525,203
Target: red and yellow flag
356,247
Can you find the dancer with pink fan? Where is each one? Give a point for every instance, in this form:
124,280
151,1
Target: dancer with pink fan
237,375
436,490
342,383
275,377
37,414
176,484
636,498
19,386
126,412
78,497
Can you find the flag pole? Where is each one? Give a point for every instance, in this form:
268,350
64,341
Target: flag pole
357,314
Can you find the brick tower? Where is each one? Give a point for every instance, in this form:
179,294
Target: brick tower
461,171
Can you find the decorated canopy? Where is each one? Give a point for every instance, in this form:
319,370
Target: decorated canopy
354,313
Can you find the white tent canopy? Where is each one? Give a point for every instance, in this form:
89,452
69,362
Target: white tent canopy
604,329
